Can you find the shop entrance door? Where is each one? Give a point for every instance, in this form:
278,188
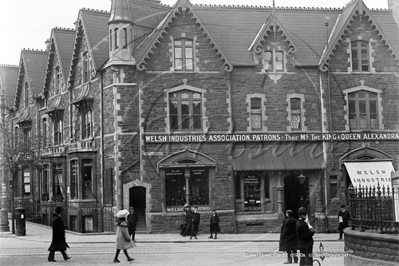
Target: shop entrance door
137,199
296,195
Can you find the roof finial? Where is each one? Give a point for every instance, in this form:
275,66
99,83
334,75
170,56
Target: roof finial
274,4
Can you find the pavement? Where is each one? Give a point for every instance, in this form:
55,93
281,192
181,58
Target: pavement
43,233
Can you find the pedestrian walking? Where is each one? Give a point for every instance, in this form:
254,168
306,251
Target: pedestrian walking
288,237
184,221
58,243
132,219
195,221
305,238
123,240
343,219
214,224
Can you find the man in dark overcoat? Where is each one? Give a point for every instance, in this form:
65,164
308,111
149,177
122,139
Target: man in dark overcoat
343,219
187,231
132,219
214,224
288,237
305,238
195,221
58,242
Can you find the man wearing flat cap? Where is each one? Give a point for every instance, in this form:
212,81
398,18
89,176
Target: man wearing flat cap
305,238
58,242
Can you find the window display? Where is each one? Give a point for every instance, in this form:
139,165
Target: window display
252,196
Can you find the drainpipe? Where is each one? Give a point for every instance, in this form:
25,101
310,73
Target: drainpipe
102,134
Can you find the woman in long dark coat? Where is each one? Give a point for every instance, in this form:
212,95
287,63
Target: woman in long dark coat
58,242
123,240
288,237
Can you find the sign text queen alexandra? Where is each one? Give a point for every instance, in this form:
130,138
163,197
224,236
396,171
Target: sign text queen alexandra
269,137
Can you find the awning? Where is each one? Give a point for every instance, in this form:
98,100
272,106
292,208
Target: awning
278,156
370,174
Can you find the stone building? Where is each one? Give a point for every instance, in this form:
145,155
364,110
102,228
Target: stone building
156,107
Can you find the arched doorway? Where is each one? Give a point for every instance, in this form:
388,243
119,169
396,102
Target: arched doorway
137,199
296,195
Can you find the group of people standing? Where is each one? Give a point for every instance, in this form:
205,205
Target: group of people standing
297,234
191,220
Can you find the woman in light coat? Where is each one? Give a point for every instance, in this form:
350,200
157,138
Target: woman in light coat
123,240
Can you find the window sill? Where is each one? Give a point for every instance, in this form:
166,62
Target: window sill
82,200
361,73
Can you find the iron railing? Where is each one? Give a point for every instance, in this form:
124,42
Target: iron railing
94,218
373,209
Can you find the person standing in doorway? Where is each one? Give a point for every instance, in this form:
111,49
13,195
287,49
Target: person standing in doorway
123,240
343,219
132,222
195,221
288,237
58,242
305,238
214,224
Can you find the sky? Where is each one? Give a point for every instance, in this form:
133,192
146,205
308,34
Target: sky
28,23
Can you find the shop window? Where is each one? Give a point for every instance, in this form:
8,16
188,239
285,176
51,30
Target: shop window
360,56
45,183
87,179
252,194
363,111
27,182
74,179
273,61
57,183
185,111
57,121
183,55
175,186
87,223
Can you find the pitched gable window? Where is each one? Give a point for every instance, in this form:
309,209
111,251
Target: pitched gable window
273,60
185,110
363,110
183,55
360,56
86,68
26,94
57,80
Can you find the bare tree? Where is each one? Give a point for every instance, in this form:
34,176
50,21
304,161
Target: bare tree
20,149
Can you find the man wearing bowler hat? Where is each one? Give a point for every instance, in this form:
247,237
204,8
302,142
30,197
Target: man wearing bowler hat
58,242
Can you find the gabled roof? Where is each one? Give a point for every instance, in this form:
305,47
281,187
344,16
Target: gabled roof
145,48
384,24
33,65
8,83
61,44
271,23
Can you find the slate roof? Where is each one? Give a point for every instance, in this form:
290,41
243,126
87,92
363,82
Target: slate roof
34,64
234,29
64,41
9,80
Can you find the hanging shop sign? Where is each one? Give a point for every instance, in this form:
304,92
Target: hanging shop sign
272,137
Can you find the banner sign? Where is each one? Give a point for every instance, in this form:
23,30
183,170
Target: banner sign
180,209
270,137
370,174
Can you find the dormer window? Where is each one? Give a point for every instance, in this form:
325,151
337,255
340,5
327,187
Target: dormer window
183,55
360,56
273,60
86,68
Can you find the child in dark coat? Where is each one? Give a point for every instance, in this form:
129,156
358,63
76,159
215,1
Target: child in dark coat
343,219
214,224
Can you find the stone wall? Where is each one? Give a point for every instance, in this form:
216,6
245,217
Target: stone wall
370,248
